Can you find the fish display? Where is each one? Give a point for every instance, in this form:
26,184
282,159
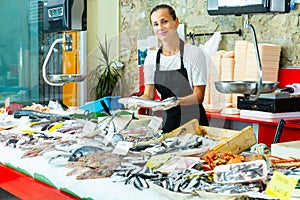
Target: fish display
63,142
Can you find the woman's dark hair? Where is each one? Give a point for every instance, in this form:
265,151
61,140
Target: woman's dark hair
162,6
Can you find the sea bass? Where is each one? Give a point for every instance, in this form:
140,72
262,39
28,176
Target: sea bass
82,151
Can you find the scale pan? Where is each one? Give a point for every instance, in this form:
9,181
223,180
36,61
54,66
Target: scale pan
245,87
66,78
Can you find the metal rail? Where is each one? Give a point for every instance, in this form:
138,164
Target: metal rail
193,35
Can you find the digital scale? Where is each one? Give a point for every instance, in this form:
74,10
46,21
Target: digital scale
65,15
273,105
61,16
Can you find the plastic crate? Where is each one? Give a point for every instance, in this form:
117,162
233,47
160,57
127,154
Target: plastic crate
110,101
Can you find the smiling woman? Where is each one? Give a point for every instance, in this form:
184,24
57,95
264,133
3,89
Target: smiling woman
177,70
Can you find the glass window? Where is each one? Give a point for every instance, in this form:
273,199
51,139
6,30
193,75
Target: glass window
23,47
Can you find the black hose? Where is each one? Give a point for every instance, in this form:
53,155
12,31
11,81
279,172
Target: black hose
106,109
278,132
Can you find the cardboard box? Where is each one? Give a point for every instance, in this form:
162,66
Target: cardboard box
286,149
232,140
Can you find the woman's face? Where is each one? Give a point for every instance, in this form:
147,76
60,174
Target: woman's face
163,24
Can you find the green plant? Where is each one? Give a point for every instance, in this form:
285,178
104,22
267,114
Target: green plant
106,73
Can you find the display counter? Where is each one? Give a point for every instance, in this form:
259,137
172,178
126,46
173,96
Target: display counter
35,179
265,128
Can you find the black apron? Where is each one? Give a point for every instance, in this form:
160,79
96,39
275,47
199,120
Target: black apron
175,83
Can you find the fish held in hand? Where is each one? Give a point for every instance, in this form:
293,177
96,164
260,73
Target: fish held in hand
154,104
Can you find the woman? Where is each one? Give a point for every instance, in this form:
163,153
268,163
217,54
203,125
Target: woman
176,69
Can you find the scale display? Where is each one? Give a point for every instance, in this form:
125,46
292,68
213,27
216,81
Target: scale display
234,7
55,12
65,15
230,3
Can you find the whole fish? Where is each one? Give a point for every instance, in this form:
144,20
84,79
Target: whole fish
154,104
78,170
59,160
82,151
94,174
39,115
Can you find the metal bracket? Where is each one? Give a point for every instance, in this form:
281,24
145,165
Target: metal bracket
68,42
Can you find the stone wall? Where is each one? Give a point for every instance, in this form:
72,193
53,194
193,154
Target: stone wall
279,29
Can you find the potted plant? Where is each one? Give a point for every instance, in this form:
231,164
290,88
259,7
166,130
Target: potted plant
106,73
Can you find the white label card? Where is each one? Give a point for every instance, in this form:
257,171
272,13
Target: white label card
155,123
89,127
109,135
7,102
122,148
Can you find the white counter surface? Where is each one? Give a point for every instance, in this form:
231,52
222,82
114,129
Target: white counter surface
92,188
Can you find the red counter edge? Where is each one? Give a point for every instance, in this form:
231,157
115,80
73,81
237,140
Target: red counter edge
26,187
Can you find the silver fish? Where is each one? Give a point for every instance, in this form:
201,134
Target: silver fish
140,183
82,151
59,160
154,104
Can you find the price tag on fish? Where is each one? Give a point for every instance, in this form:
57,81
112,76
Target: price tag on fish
109,135
122,148
7,102
281,186
241,172
155,123
158,160
89,127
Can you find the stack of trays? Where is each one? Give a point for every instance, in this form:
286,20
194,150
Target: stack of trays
227,68
240,59
269,56
221,69
246,63
212,96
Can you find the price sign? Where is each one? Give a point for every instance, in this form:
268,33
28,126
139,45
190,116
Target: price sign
109,135
155,123
281,186
7,102
157,161
122,148
89,127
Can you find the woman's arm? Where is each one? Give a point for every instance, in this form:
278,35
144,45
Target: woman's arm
196,98
149,92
